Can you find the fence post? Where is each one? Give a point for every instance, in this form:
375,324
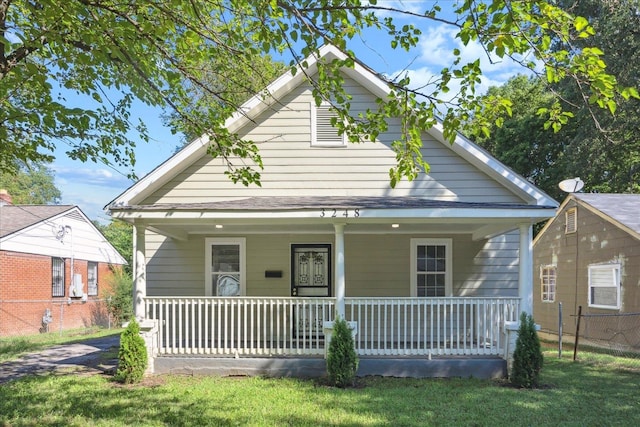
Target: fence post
560,331
575,346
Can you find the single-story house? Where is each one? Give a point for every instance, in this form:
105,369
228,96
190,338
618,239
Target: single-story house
54,268
588,256
233,275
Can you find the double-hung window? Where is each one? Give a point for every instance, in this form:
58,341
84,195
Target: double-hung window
431,268
548,283
57,277
225,266
92,278
604,286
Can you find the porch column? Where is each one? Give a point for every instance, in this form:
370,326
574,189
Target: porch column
140,271
340,280
525,288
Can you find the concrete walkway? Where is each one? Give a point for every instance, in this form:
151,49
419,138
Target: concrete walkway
86,357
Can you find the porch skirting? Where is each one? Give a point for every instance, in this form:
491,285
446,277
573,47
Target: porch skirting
487,367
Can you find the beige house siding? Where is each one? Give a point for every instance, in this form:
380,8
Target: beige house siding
292,167
377,265
596,241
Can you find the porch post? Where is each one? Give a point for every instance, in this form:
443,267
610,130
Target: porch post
140,271
525,288
340,280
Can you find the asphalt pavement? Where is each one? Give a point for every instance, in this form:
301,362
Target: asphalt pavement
87,357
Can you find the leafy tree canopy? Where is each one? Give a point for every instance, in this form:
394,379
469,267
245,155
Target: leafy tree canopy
152,50
120,235
31,185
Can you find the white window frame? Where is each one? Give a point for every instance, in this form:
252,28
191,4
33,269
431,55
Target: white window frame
448,275
571,221
615,283
211,241
92,288
341,140
550,294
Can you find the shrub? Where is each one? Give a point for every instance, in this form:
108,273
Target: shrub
342,362
132,356
120,296
527,357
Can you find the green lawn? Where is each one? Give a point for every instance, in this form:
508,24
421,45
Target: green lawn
592,392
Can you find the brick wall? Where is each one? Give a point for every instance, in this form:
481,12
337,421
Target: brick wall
26,294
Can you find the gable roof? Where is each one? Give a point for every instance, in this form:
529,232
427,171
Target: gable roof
622,210
14,218
286,83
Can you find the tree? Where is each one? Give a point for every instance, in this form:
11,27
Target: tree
120,235
601,148
113,52
31,185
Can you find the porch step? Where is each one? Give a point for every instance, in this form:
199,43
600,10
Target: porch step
311,367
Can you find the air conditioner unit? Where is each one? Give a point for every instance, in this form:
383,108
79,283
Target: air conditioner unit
76,288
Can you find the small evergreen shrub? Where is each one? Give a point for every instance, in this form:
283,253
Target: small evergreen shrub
342,361
527,357
132,356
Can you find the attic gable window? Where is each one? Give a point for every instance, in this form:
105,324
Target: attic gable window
323,133
571,221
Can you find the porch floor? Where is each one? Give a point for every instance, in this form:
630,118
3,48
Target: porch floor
485,367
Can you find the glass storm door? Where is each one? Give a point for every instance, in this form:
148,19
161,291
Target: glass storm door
311,270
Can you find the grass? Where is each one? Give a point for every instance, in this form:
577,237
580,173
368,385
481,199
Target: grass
13,347
584,393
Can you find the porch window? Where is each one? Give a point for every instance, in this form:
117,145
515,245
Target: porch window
604,286
225,266
92,278
431,268
57,277
323,133
548,283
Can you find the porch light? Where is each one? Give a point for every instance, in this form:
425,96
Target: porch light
219,226
395,225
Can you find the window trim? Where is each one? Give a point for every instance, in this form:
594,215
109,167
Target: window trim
97,291
314,128
615,270
551,294
448,274
571,221
64,277
209,242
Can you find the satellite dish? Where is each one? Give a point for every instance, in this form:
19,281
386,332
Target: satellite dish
571,185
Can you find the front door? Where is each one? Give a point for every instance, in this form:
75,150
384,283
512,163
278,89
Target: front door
310,277
311,270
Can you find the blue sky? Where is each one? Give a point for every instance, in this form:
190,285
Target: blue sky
91,186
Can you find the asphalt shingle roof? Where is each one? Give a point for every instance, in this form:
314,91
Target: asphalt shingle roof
17,217
624,208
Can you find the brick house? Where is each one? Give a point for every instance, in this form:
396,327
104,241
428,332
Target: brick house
54,268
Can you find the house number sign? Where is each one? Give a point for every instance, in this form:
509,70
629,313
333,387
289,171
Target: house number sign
334,213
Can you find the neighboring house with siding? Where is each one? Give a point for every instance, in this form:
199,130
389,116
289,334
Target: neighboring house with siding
54,268
432,267
588,255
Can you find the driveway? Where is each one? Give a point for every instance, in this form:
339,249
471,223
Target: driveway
88,357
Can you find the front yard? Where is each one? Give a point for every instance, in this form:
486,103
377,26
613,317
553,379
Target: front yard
588,392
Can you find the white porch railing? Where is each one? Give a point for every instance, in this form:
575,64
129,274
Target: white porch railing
263,326
430,326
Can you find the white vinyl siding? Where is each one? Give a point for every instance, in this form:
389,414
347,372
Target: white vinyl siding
293,167
225,260
571,218
548,283
431,268
604,286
